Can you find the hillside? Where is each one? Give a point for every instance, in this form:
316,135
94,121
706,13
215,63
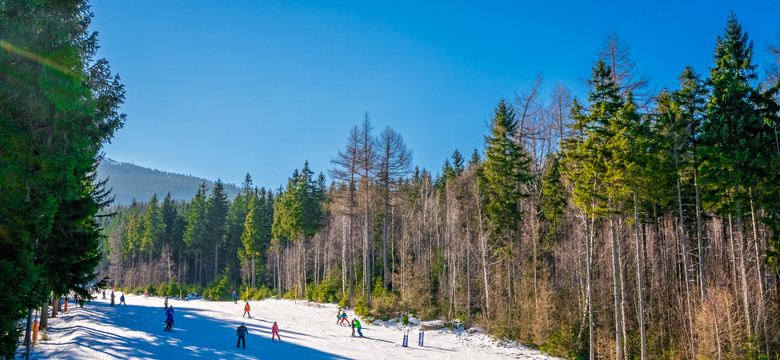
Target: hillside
207,330
129,181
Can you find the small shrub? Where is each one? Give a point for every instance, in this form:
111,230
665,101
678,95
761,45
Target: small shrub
262,293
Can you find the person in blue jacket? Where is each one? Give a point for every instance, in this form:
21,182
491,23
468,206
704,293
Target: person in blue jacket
169,318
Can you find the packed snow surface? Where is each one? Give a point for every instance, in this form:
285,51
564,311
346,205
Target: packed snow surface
207,330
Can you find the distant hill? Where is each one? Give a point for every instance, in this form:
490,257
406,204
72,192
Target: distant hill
129,181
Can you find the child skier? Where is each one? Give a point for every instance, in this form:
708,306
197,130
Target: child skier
275,332
168,318
356,325
246,311
241,332
146,294
338,317
235,298
122,300
343,319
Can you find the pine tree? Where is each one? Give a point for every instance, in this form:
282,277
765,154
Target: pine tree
59,105
216,215
195,231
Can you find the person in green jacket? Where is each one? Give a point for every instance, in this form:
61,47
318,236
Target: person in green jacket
356,326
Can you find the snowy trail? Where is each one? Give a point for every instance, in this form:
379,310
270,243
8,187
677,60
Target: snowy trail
207,330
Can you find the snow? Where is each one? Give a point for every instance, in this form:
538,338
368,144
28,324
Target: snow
207,330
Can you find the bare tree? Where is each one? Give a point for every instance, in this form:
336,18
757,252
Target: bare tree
346,171
617,55
394,162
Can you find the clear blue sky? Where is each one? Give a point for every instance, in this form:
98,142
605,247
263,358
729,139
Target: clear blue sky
217,89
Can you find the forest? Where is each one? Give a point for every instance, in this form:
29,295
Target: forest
633,224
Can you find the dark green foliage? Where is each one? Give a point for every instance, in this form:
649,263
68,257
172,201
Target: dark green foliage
58,105
553,201
500,176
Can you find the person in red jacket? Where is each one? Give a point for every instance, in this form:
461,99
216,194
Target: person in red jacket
275,332
246,311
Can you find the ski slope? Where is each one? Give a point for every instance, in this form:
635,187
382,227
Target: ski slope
207,330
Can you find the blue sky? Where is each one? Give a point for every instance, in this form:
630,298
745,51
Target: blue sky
217,89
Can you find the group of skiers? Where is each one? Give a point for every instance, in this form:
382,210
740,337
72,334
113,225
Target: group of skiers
242,331
121,299
341,317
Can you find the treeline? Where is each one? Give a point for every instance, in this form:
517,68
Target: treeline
631,224
129,181
58,106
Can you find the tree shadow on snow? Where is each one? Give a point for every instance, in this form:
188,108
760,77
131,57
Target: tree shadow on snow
136,331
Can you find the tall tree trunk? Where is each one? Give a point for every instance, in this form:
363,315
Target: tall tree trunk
742,264
639,274
216,261
759,266
589,263
684,243
384,236
352,263
54,302
344,258
616,284
366,254
699,232
44,322
468,276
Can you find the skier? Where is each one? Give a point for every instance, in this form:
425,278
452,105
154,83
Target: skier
344,318
122,300
112,299
275,331
168,318
166,302
235,298
246,311
146,294
104,294
241,332
356,325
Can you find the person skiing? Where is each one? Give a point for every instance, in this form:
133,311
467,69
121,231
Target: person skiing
166,302
338,317
241,332
104,294
168,318
235,297
344,318
246,311
275,331
356,326
146,294
122,300
112,299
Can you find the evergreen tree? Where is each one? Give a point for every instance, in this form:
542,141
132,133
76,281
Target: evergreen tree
59,105
506,167
195,231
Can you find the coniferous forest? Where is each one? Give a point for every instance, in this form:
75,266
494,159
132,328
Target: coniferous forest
631,224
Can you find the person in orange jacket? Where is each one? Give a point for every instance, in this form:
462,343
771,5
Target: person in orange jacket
246,311
275,332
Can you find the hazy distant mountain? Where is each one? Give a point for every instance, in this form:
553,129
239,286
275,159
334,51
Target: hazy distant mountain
129,182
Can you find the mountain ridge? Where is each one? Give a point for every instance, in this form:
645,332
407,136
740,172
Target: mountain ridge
128,181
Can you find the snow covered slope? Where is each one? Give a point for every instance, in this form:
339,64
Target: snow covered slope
207,330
